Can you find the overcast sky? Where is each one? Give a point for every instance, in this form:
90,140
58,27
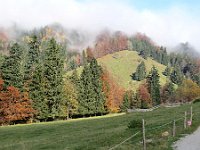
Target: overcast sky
168,22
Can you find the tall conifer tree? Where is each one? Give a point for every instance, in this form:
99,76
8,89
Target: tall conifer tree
53,76
96,73
11,67
91,97
37,93
86,93
176,76
140,73
154,85
167,71
33,57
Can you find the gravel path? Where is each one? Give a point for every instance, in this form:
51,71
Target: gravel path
190,142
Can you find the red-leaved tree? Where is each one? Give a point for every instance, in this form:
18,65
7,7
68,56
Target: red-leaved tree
144,96
14,105
107,43
113,92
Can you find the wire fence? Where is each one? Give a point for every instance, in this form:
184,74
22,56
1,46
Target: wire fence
172,128
124,141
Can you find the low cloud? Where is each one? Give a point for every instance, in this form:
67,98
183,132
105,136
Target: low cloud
167,27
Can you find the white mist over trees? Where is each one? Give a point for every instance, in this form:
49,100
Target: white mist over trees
173,24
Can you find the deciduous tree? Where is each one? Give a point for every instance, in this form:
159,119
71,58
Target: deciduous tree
70,99
187,91
14,105
144,96
113,92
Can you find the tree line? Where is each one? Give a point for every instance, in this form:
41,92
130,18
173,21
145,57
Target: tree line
178,89
34,86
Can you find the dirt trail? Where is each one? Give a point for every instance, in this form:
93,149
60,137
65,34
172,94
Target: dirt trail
190,142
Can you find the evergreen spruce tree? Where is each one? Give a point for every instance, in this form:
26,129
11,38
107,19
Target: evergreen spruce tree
176,76
37,93
126,103
96,72
137,101
140,73
143,54
86,93
11,67
53,76
74,78
164,59
158,57
32,61
91,97
72,64
2,57
154,85
167,71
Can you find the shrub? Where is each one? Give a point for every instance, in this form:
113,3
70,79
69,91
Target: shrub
196,100
135,124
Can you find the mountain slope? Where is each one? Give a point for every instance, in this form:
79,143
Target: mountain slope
122,64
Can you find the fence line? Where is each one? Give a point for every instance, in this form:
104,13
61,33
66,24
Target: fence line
124,141
164,124
139,132
159,126
173,123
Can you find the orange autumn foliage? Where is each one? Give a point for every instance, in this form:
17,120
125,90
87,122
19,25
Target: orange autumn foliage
108,43
14,105
144,96
142,37
113,92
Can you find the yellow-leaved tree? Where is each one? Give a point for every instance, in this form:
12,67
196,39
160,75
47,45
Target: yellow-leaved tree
187,91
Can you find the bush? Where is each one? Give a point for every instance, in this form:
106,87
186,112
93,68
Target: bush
196,100
135,124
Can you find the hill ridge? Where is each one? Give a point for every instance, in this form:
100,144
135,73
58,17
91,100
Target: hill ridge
123,63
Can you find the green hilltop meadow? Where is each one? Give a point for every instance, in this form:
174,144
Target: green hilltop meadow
124,63
121,65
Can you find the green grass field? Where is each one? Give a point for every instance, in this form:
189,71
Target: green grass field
99,133
122,64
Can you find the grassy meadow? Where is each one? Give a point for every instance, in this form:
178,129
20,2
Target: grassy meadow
99,133
122,64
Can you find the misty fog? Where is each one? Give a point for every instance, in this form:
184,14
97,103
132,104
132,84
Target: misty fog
168,26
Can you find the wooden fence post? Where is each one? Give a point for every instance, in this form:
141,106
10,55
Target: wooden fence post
143,131
185,120
174,128
191,114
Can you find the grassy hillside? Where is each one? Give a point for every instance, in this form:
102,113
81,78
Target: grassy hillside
122,64
99,133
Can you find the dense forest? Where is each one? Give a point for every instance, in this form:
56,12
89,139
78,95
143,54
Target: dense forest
40,77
